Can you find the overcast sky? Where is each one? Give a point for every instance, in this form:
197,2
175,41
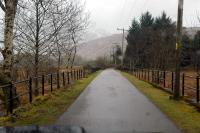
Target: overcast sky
107,15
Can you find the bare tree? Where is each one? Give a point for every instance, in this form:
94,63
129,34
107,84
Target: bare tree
74,23
49,27
34,31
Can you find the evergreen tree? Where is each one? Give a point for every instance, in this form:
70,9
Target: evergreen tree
196,50
185,51
146,20
151,41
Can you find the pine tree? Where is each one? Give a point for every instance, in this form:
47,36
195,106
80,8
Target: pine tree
185,51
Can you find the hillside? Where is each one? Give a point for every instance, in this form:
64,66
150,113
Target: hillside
99,47
102,46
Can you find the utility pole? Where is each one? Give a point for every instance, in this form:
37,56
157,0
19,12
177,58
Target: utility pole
114,53
114,56
111,57
178,50
123,36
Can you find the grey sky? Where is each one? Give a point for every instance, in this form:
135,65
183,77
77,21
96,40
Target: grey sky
107,15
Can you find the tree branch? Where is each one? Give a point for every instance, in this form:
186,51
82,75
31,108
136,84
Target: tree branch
2,6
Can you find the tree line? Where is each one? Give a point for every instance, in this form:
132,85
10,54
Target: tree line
152,43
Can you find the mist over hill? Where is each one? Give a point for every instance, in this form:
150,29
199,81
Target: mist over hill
100,47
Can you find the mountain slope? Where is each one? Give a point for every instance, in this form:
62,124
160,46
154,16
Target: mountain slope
100,47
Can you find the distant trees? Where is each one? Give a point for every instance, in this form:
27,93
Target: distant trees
151,42
196,51
186,51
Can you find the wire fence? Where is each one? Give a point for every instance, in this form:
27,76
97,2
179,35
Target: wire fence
25,91
189,85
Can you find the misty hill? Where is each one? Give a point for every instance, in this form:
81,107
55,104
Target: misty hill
102,47
99,47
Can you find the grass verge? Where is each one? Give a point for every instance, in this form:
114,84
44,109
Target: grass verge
185,116
46,109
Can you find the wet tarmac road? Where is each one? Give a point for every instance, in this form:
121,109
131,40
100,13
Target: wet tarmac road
111,104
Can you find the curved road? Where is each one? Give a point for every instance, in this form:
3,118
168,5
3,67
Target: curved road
111,104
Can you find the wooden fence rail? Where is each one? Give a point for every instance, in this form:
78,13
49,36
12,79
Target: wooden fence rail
166,79
46,85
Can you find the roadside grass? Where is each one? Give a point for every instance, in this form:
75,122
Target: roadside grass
46,109
185,116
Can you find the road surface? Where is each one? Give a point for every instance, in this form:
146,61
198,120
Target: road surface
111,104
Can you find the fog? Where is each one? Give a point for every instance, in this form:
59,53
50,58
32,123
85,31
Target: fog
107,15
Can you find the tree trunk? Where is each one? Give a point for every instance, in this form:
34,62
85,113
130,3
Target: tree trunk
58,69
73,59
10,11
11,6
36,50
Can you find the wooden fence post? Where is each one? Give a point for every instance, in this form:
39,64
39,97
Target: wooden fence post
142,75
172,81
76,74
74,77
68,78
11,98
183,84
164,79
58,80
51,82
158,77
197,89
30,89
83,73
71,72
79,74
43,85
63,75
139,74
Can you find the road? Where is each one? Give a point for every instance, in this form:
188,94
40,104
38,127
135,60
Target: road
111,104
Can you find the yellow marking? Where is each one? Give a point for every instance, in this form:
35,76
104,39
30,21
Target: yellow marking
177,46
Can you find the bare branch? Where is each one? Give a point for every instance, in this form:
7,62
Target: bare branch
2,6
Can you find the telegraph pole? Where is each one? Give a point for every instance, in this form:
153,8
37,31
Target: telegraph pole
114,53
114,56
123,36
178,50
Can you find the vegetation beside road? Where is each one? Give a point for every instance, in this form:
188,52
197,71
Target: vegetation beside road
185,116
46,109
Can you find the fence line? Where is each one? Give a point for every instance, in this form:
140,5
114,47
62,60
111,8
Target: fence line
46,83
189,85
